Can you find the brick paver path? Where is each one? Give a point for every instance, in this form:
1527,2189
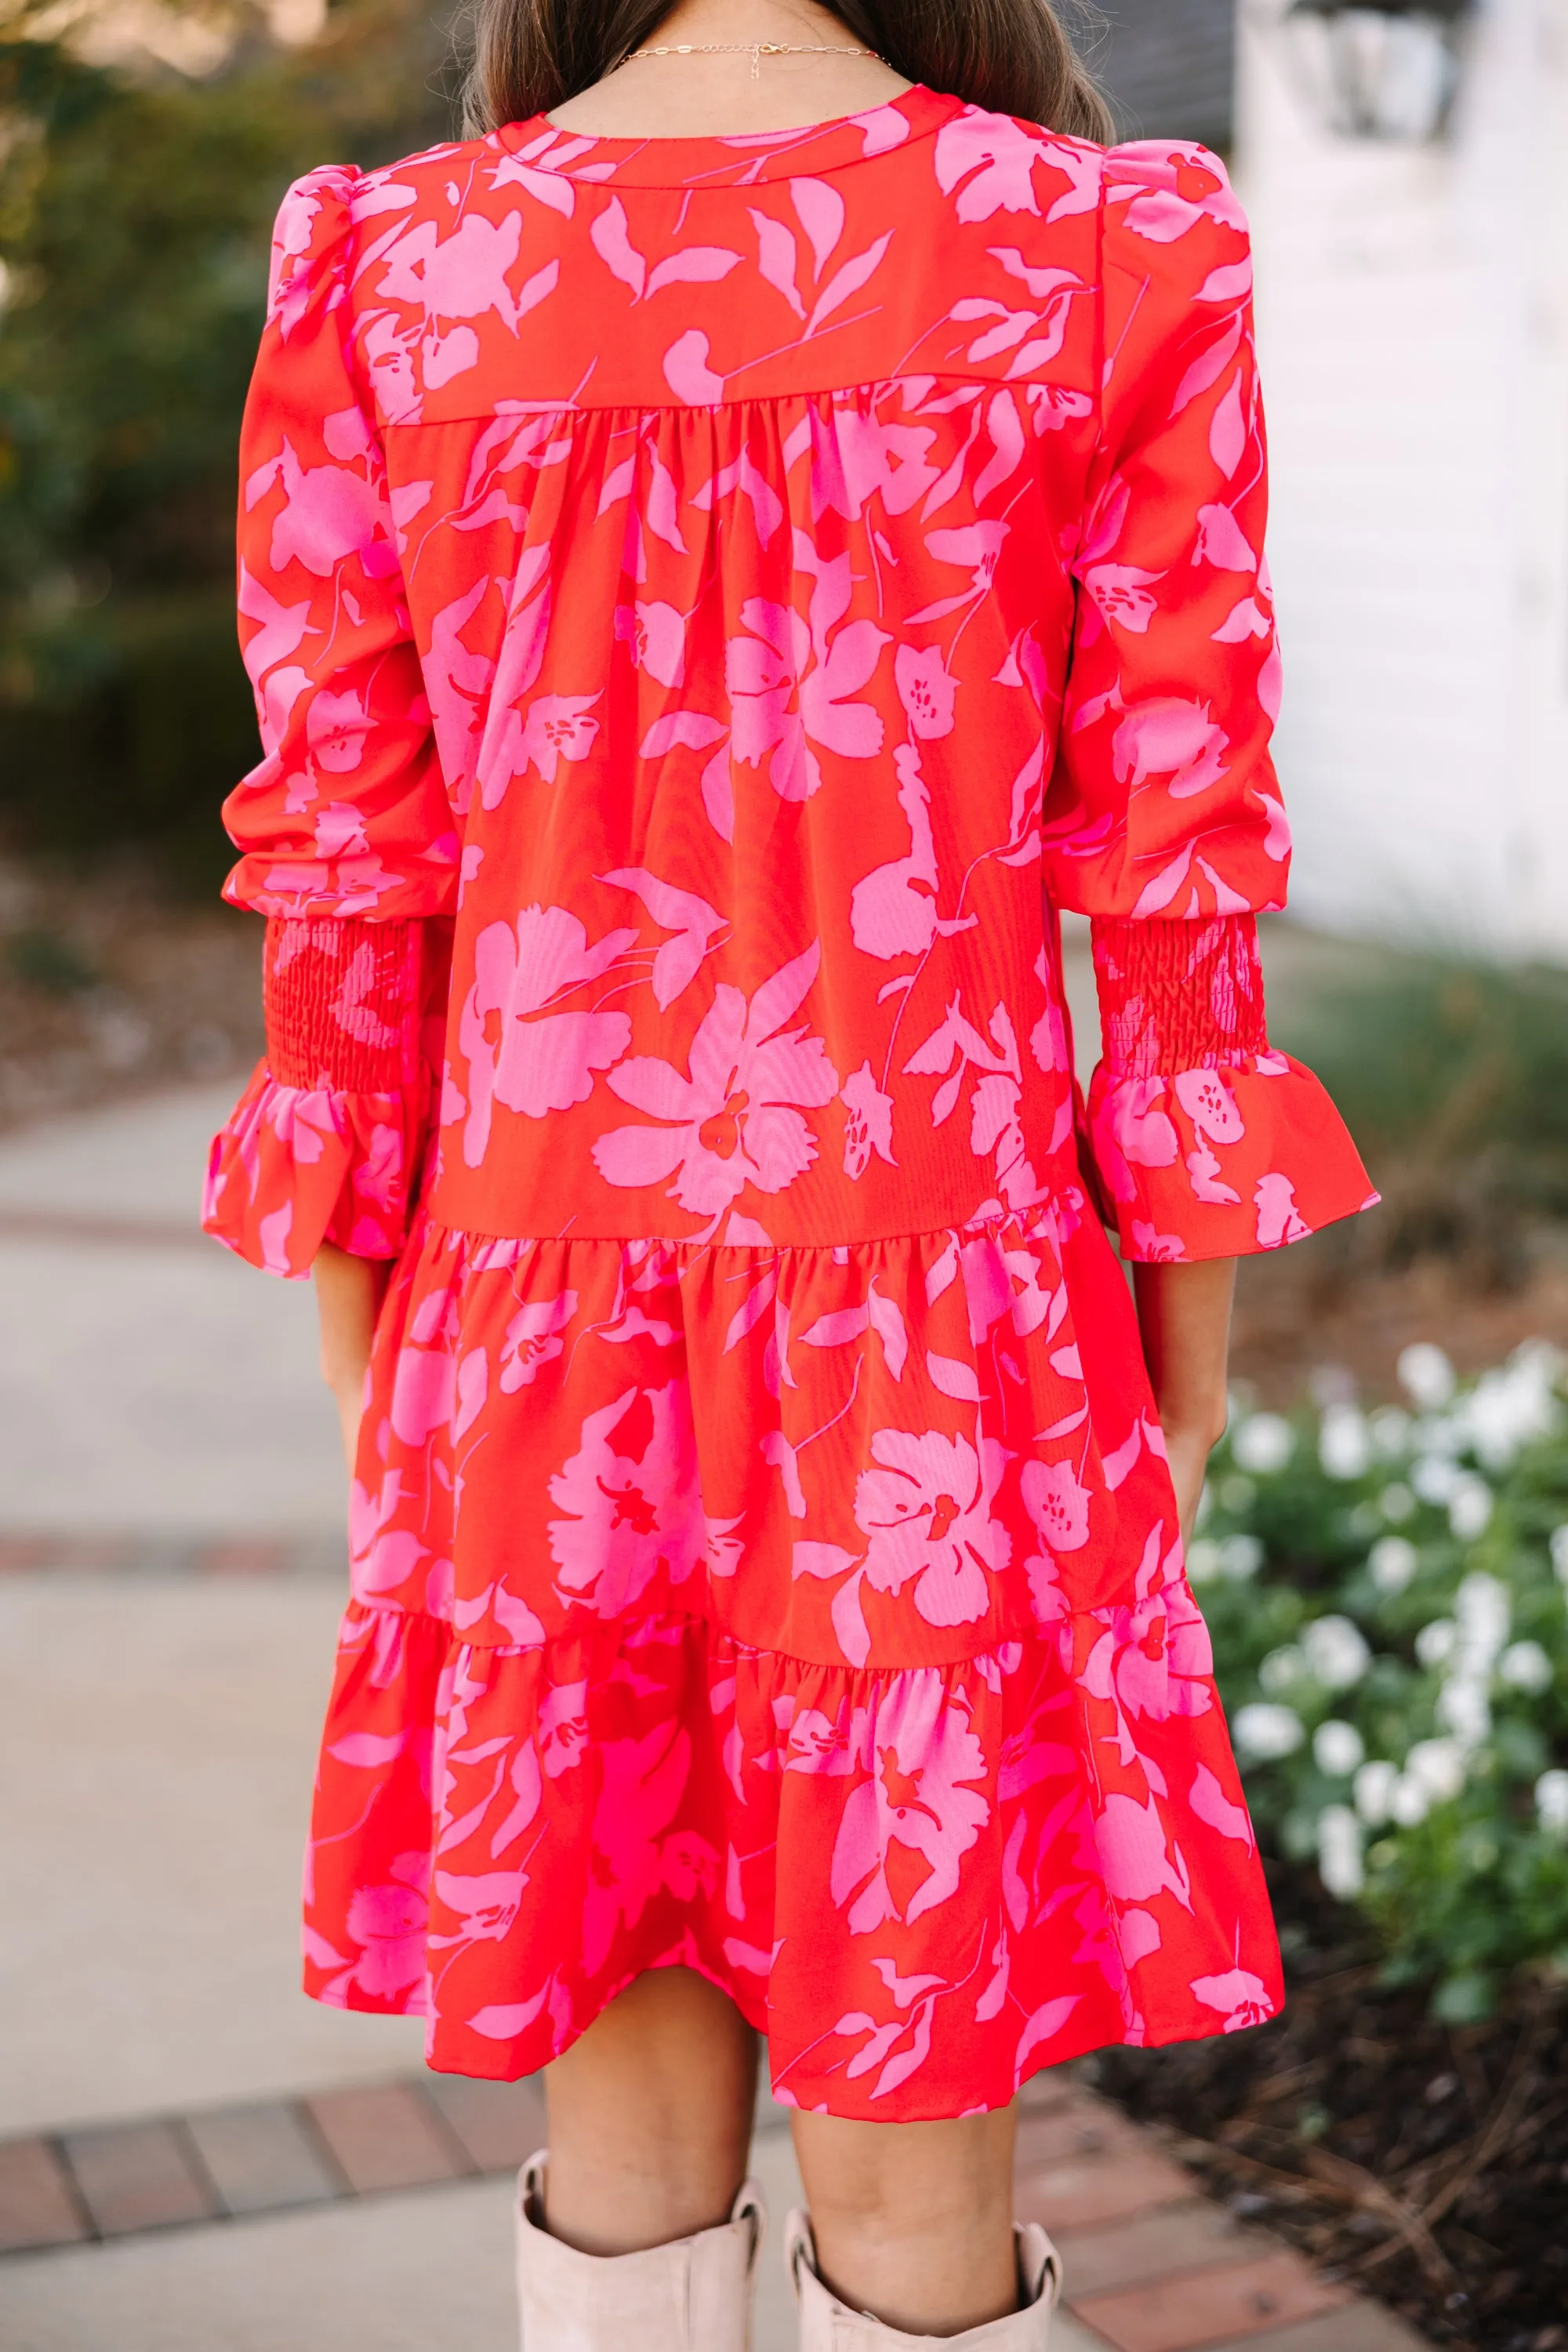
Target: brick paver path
1151,2265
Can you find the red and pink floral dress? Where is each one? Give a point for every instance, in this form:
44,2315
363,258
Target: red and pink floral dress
712,602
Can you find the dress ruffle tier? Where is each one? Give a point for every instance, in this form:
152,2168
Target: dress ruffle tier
706,1613
505,1837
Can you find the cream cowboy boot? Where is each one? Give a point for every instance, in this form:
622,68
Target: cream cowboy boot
694,2296
825,2326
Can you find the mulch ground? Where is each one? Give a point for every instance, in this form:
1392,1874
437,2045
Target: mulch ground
1424,2164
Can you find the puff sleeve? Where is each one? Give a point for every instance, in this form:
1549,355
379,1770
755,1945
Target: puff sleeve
1163,821
345,828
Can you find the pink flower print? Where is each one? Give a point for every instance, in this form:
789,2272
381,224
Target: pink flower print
1121,593
976,544
1155,1660
1278,1219
336,726
1155,1248
1170,190
388,1923
656,633
736,1121
329,513
817,1743
1210,1105
993,158
1239,1997
486,1904
462,277
533,1339
1178,740
792,680
927,690
893,909
1057,1502
563,1727
869,1126
924,1752
631,1512
1134,1856
641,1784
535,1065
1130,1127
558,728
857,455
927,1511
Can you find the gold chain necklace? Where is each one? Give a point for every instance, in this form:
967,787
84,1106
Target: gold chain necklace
755,50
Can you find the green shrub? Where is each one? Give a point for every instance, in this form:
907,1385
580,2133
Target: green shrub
1453,1078
1388,1597
135,214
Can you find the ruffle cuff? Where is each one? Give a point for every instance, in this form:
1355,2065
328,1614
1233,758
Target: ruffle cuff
1221,1161
297,1166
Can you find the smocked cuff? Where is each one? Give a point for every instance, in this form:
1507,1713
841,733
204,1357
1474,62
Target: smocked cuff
343,1000
1178,995
298,1166
1221,1161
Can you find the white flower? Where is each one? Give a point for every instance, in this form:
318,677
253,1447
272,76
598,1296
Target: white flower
1263,1444
1551,1801
1435,1479
1436,1643
1408,1801
1396,1502
1436,1767
1525,1666
1283,1669
1560,1553
1375,1786
1390,1430
1338,1749
1392,1563
1266,1732
1509,1409
1344,1446
1463,1709
1425,1374
1336,1653
1339,1852
1470,1507
1481,1606
1240,1556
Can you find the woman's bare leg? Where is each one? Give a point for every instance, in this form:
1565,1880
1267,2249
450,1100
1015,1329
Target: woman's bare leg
913,2223
650,2118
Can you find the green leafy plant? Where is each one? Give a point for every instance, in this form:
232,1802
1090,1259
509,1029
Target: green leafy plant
135,214
1388,1597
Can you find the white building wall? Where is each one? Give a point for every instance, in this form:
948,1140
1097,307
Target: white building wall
1412,320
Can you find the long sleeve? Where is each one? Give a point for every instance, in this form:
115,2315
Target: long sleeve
345,828
1163,820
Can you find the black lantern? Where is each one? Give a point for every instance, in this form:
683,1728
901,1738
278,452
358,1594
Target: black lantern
1380,69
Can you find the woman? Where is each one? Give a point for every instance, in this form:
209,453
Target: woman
724,560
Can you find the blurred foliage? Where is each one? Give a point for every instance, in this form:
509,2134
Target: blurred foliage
135,214
1453,1078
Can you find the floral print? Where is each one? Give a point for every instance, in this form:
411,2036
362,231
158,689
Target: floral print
711,604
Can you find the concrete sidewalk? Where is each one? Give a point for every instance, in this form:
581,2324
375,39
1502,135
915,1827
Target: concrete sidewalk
193,2157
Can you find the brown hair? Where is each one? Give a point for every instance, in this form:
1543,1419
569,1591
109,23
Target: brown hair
1012,57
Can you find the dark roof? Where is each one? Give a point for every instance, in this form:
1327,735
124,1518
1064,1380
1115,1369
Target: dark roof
1169,67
